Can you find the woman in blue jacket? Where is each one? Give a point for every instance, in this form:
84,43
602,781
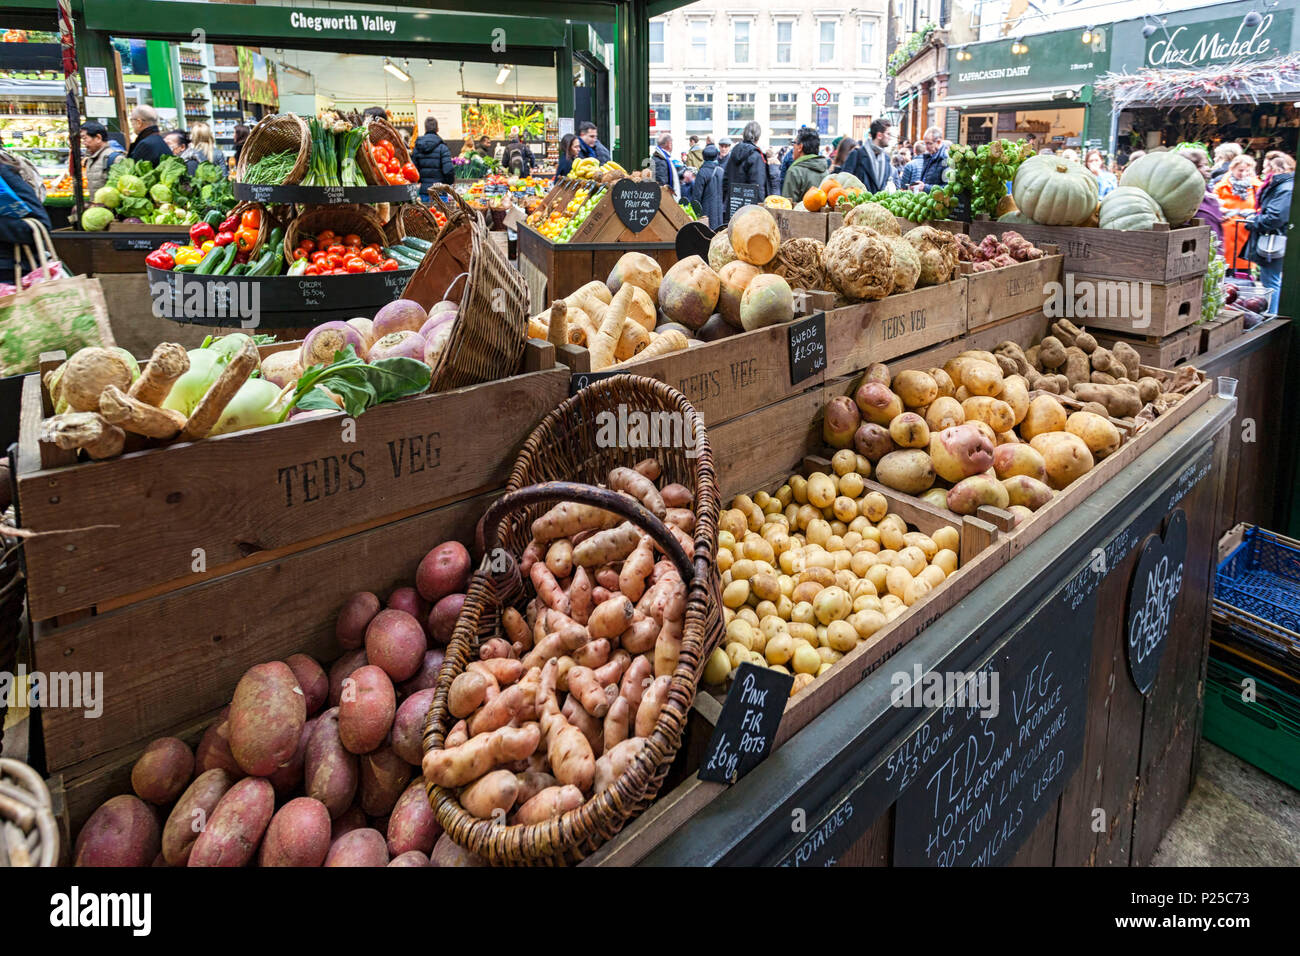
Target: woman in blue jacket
1272,217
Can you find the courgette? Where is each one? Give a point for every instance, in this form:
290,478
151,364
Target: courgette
239,269
403,256
223,265
209,261
423,245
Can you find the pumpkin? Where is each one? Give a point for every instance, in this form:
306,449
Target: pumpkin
1054,191
813,200
1016,218
1128,208
846,181
1171,180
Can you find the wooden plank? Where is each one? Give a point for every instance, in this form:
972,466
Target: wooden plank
1167,352
873,848
899,324
1149,255
760,449
177,656
925,516
1002,293
651,828
1222,329
539,355
1040,848
976,535
30,413
801,224
1171,307
236,495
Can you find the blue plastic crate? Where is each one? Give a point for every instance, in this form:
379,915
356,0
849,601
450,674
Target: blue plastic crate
1261,577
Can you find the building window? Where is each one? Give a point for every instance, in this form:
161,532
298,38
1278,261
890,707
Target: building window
781,117
866,42
861,104
662,106
826,30
740,110
656,41
741,30
785,42
699,42
699,114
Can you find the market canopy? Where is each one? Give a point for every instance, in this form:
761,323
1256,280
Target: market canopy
1248,81
1044,94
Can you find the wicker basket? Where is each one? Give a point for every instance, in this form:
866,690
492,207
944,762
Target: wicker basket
565,446
269,218
26,812
343,219
377,129
12,593
412,219
276,134
491,329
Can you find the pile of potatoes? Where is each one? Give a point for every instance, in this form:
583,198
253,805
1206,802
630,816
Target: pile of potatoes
557,709
969,435
305,767
816,568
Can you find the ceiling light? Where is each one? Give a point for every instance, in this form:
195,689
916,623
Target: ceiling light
397,71
503,75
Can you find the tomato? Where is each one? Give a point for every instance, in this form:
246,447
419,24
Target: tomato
336,249
356,264
318,257
299,253
351,239
325,238
311,271
371,255
388,265
372,268
384,144
307,244
396,180
410,173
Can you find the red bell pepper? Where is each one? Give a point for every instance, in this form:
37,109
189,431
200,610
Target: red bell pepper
161,259
229,224
201,232
168,246
224,238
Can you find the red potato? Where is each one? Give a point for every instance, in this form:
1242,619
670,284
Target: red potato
413,824
444,570
443,617
668,647
236,826
396,643
351,819
298,835
122,832
533,782
191,813
408,601
580,596
647,715
411,858
548,804
447,852
330,771
354,615
366,709
163,770
532,554
407,736
384,775
593,654
617,725
341,669
213,751
548,588
636,679
427,676
313,680
266,718
288,778
365,847
676,496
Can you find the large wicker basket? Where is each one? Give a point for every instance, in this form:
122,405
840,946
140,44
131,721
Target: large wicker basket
565,446
26,807
343,219
277,134
412,219
491,328
377,129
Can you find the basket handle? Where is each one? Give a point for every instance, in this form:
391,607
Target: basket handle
620,504
442,189
447,294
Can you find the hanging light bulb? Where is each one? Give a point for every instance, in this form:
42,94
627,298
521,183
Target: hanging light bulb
1149,29
1087,37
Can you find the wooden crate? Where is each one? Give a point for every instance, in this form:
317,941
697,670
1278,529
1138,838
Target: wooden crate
1163,352
1159,254
1171,307
118,250
878,331
802,224
947,225
1222,329
553,270
1012,290
163,518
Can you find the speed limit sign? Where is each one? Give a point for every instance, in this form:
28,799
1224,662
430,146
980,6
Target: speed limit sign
821,96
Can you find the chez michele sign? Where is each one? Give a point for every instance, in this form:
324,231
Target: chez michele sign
1220,41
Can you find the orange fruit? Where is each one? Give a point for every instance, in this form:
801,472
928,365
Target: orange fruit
814,199
834,194
827,184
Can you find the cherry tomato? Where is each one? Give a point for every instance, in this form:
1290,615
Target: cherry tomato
300,253
307,244
351,239
388,265
356,264
371,255
410,173
318,257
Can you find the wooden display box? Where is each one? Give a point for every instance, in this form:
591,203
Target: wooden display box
884,329
1222,329
1159,254
117,250
182,566
553,270
1172,307
1160,352
998,294
801,224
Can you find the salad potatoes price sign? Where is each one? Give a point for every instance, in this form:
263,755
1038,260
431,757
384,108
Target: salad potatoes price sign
807,347
748,723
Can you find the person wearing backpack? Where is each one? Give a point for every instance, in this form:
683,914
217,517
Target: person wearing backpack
517,158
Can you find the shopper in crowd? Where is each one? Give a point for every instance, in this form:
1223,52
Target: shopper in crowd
13,231
707,190
808,168
688,183
1236,192
665,171
518,158
148,142
240,136
1071,154
175,140
843,154
773,172
899,159
569,151
724,151
1267,242
1224,154
203,148
926,171
374,112
484,147
1096,164
432,159
1210,212
591,144
695,155
787,156
101,153
870,160
745,164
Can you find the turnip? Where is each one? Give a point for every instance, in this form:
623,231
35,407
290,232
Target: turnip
446,305
253,406
434,346
398,345
436,320
322,342
367,330
282,368
400,315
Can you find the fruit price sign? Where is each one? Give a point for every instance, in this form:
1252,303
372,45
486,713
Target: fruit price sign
635,203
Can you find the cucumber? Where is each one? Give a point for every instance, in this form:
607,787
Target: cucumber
423,245
404,257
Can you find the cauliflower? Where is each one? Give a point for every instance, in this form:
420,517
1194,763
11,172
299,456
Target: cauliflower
859,262
938,252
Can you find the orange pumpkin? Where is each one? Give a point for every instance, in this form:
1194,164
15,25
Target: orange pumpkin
814,199
834,194
827,184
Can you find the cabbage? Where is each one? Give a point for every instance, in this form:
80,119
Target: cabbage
253,406
160,193
189,389
132,186
96,219
107,196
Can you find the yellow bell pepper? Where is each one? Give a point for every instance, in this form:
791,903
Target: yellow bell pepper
207,246
187,255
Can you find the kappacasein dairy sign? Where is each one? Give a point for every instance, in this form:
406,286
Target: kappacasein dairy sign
1220,41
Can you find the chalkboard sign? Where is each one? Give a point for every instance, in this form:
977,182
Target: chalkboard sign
743,194
138,244
807,347
635,203
580,380
693,240
1152,597
747,725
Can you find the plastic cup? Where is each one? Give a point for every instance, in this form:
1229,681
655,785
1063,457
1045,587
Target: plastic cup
1227,387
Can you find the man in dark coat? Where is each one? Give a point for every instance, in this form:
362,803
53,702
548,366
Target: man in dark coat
591,144
148,143
432,158
1272,214
870,161
707,188
746,163
926,171
665,171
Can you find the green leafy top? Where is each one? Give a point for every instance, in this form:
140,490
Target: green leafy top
358,383
908,47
